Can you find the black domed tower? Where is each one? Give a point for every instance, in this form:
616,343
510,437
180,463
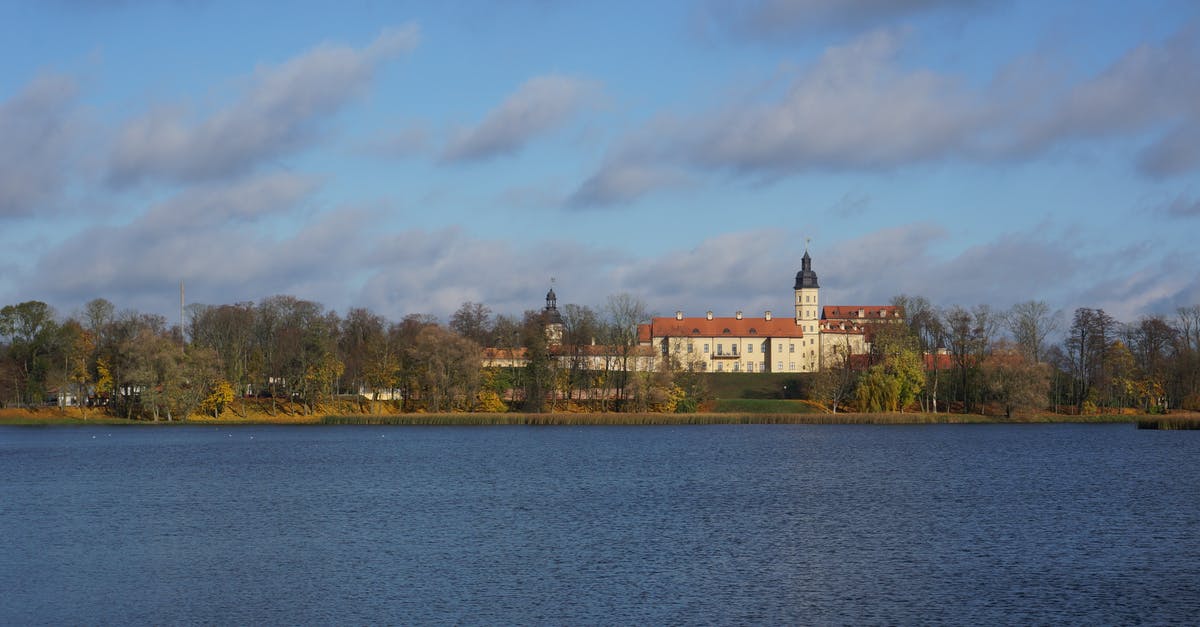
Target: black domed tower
552,320
808,309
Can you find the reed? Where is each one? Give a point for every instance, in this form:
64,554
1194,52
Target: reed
1191,423
586,419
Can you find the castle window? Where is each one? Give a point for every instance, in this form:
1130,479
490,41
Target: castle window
753,331
720,349
791,348
726,332
737,366
791,365
779,366
689,347
695,331
721,366
749,348
750,367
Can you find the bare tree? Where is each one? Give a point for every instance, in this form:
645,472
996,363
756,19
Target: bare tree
1031,323
624,312
473,321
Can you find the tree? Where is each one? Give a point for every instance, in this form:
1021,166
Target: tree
446,368
1086,343
362,339
33,335
1030,323
230,331
473,321
1014,380
539,366
835,381
624,313
964,336
581,325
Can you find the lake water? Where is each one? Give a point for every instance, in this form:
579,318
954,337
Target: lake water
771,524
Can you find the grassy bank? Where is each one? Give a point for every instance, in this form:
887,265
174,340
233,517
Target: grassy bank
740,411
580,419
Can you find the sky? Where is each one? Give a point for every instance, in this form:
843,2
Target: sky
410,156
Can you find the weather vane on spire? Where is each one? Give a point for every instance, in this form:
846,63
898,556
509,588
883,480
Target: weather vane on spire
807,241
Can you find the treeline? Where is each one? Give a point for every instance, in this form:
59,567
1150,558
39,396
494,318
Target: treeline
296,353
1027,358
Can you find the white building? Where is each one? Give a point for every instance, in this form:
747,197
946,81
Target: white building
767,344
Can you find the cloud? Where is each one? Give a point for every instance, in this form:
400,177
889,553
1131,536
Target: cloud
231,205
618,183
206,236
38,131
791,19
540,105
1182,206
277,115
858,109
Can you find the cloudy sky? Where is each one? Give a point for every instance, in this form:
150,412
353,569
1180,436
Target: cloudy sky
407,157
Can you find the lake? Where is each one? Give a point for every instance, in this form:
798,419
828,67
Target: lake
728,524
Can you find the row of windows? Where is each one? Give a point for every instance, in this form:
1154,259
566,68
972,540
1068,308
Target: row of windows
733,348
750,367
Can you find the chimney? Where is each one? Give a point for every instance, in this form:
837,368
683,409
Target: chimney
767,315
708,315
679,315
738,314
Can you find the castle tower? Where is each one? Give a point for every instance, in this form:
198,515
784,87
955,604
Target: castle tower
808,308
808,314
552,319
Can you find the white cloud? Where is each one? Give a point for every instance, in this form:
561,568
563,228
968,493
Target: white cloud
277,115
858,108
38,130
540,105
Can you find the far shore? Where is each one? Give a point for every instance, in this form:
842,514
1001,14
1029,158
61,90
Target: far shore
54,416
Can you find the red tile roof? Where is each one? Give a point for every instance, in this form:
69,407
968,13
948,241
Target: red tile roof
718,327
871,312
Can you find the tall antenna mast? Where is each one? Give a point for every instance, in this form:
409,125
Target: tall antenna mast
181,335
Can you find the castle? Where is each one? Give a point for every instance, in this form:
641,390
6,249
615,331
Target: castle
803,343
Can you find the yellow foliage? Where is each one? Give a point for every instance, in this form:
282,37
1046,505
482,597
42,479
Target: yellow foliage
220,396
489,401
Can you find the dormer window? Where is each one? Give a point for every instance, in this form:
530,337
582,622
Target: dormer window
726,332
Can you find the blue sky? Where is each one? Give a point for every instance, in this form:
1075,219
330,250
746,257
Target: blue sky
407,157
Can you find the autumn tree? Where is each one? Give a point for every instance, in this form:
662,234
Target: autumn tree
362,338
473,321
229,331
446,368
32,335
1014,380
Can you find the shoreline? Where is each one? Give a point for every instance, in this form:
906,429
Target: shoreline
55,418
